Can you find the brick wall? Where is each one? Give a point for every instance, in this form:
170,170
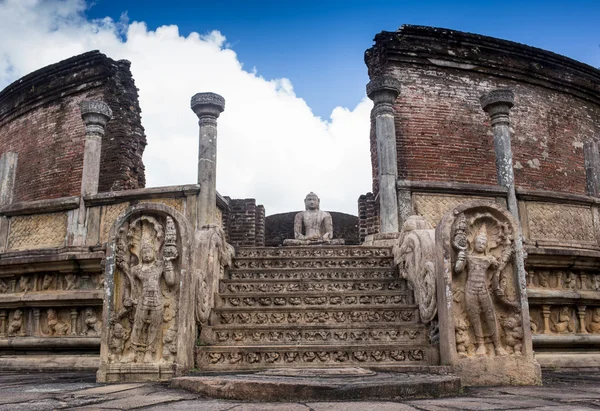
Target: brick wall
40,120
368,216
245,223
444,135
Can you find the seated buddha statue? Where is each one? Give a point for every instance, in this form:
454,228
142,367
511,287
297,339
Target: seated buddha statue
313,226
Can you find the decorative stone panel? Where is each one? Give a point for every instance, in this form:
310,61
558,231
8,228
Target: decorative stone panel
37,231
434,206
109,216
176,203
560,222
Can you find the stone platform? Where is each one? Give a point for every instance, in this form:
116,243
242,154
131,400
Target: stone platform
320,384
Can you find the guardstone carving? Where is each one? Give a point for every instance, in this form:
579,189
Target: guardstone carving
484,320
148,283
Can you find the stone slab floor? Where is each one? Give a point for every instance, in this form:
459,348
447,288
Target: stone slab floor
563,390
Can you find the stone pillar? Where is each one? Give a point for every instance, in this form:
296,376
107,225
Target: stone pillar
3,317
8,172
497,103
383,91
546,315
592,167
36,322
208,107
73,321
95,115
581,317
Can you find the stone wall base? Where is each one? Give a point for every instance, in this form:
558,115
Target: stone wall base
498,371
135,372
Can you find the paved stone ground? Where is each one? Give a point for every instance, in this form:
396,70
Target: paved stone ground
563,390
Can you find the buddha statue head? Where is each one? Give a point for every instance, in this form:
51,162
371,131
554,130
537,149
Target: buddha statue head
311,202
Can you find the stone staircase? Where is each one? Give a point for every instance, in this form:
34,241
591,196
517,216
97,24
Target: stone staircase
310,307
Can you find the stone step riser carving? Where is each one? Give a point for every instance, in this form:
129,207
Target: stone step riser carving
385,314
331,262
302,301
232,287
381,334
237,358
320,252
314,274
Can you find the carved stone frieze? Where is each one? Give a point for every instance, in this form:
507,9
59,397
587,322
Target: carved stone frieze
560,222
312,263
313,275
322,252
317,300
384,315
293,357
401,335
302,286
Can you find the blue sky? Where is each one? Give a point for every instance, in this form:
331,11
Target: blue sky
319,45
292,73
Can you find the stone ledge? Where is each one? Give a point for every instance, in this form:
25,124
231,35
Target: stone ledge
50,260
49,362
113,197
40,206
52,298
539,295
37,343
570,340
441,187
555,197
310,386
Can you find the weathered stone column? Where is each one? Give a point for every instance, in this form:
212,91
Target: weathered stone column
8,172
497,103
208,107
95,115
383,91
592,167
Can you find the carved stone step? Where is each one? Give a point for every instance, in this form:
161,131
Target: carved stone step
320,334
306,300
335,273
235,287
314,252
342,315
303,263
239,358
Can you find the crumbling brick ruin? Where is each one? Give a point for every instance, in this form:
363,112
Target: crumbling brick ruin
483,151
40,121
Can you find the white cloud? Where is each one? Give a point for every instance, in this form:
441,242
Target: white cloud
271,146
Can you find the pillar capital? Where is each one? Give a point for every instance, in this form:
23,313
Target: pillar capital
497,103
209,105
95,114
383,90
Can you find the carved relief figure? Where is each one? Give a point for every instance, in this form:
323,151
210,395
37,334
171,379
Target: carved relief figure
477,260
169,345
313,226
3,287
144,297
563,324
596,282
594,325
71,281
25,283
48,281
571,281
55,325
464,347
513,331
16,323
93,326
116,342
